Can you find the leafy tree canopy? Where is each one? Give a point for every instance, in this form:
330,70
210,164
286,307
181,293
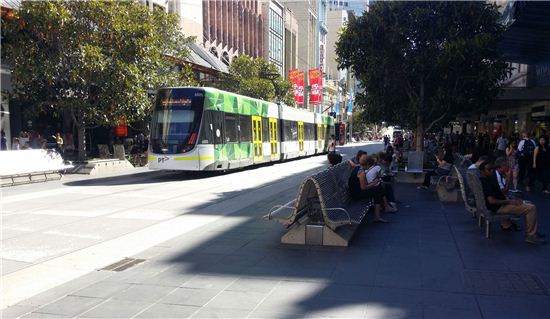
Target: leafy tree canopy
96,59
257,78
422,63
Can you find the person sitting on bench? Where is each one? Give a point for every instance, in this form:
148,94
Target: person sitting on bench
498,203
355,161
444,165
365,186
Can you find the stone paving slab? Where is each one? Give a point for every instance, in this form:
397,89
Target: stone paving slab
431,261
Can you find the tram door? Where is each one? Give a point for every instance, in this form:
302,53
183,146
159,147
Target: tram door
257,138
325,130
273,138
319,138
301,137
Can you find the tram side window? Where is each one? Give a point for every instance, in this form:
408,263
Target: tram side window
207,129
287,130
231,128
294,131
331,130
308,131
265,129
246,128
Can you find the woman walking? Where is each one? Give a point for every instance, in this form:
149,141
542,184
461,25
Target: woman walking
512,157
541,163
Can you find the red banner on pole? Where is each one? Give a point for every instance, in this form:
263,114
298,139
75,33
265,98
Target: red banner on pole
296,77
293,78
300,87
316,86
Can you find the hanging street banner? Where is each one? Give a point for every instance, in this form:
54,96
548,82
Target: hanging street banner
293,78
350,102
296,77
337,104
300,81
316,86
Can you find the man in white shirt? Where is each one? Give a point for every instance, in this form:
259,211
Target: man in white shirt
526,149
502,143
501,171
474,168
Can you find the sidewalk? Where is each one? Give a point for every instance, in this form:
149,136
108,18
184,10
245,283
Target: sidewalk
431,261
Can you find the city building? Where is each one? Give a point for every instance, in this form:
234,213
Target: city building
274,33
290,42
306,14
357,6
232,28
524,104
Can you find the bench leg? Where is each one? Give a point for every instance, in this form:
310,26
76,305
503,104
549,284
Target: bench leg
487,225
479,220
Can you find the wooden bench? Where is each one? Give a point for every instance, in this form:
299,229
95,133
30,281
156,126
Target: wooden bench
481,208
323,212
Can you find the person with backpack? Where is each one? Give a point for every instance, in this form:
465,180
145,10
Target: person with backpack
541,163
526,151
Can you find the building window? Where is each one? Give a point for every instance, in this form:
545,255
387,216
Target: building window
276,39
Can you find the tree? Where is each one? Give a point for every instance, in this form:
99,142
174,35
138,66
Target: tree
422,63
257,78
95,60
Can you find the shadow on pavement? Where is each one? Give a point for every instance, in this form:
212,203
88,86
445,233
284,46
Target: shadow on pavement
431,261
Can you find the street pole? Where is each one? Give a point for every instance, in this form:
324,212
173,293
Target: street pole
348,86
351,126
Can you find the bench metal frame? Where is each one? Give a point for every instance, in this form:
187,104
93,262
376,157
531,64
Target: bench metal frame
483,212
467,195
322,201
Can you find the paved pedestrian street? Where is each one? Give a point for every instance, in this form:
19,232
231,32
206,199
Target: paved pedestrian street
430,261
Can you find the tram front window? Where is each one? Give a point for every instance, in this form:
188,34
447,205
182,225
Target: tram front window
173,129
175,122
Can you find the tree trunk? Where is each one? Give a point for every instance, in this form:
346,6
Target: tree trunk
81,142
419,137
420,119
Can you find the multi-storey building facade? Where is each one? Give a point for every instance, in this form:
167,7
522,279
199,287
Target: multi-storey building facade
291,42
274,33
305,13
524,104
232,28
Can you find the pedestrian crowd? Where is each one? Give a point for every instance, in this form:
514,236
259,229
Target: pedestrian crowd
34,140
503,168
528,157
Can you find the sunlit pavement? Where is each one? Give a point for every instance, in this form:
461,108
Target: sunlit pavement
207,253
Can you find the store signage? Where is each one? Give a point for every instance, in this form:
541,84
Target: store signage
122,128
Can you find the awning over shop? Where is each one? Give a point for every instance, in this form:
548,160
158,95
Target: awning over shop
527,36
525,94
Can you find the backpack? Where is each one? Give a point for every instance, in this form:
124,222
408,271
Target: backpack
528,147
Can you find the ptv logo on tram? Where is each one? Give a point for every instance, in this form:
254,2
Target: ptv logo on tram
163,159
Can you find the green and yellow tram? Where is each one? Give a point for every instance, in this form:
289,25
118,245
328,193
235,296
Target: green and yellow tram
199,128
